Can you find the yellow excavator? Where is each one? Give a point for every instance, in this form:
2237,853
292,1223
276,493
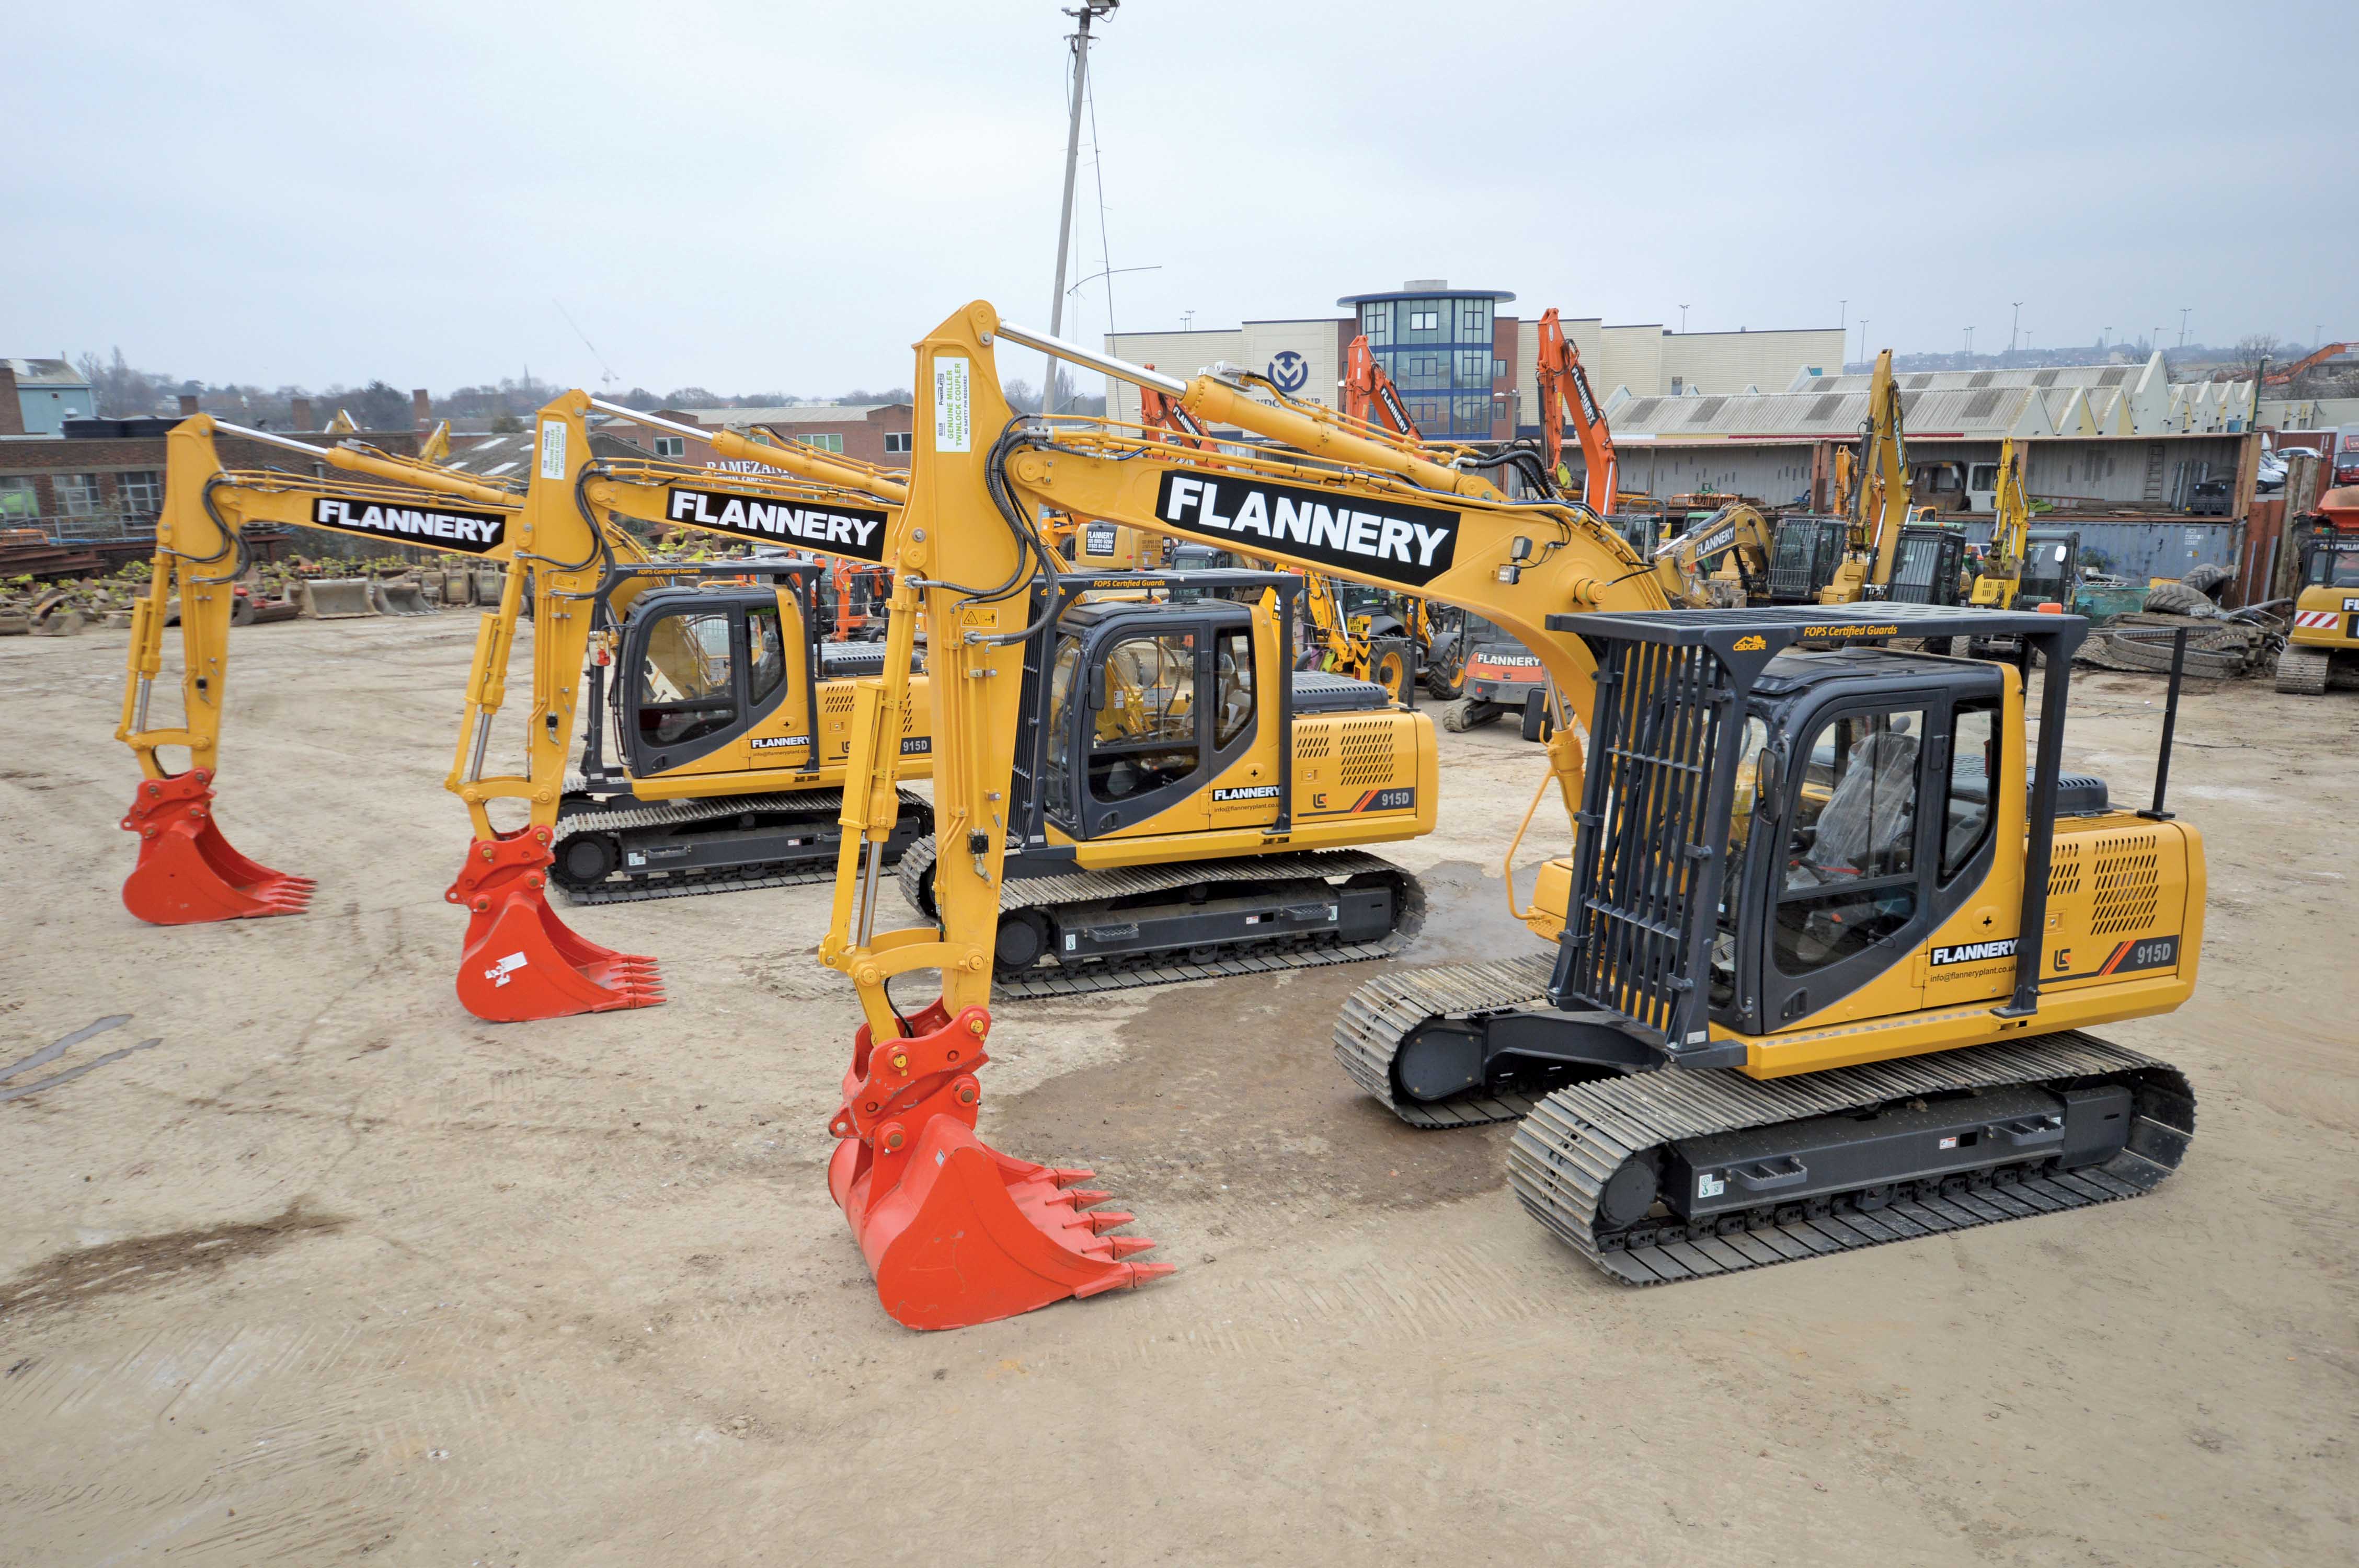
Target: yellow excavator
1888,558
2002,572
1822,955
727,691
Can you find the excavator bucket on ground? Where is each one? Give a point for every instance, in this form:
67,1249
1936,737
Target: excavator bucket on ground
400,596
955,1232
336,598
520,962
188,874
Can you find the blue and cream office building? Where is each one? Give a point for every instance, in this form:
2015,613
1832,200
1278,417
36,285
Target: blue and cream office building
1463,358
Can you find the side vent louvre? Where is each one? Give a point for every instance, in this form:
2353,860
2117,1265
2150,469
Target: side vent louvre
2127,876
2064,869
1367,752
1312,743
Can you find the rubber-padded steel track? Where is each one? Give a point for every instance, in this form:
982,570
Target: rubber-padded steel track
1159,970
817,802
1381,1015
1570,1146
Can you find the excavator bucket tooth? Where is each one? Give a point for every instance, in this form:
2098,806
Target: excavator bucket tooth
520,960
187,873
1129,1246
1082,1197
955,1232
1105,1219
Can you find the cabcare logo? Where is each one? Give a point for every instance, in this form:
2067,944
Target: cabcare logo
1288,371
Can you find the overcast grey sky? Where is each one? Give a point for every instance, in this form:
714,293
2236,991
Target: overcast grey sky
747,195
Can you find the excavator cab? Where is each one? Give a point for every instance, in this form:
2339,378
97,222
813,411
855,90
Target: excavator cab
1172,732
2051,567
1925,569
1808,549
706,670
717,678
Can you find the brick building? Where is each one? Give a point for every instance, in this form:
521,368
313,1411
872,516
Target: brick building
103,479
873,432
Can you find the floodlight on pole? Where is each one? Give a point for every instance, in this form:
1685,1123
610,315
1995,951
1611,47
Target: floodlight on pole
1079,44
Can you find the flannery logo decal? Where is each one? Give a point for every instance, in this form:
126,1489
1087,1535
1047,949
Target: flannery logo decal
1974,952
473,532
765,743
1247,792
1387,539
852,531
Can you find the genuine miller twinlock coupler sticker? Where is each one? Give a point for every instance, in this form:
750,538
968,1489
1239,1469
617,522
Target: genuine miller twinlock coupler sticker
854,531
1387,539
439,527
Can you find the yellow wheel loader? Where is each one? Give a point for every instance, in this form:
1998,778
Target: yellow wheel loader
1823,954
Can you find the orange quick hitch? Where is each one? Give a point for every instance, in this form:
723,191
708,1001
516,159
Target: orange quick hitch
187,873
955,1232
520,962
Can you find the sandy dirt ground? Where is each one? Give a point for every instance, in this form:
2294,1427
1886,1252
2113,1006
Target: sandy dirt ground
302,1264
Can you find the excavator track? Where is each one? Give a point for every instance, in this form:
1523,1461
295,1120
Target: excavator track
1260,956
654,823
1379,1018
2303,671
1569,1148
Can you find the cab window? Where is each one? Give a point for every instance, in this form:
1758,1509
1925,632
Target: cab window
1056,775
1234,669
1973,740
766,653
685,687
1144,735
2334,568
1740,815
1850,874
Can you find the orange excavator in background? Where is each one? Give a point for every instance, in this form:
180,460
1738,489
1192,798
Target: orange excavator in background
1369,395
1565,394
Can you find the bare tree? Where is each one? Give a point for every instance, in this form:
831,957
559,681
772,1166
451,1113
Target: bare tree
2252,349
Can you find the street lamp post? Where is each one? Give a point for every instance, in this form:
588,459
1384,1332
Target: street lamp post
2013,325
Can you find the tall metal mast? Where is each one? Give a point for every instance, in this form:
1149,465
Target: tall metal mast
1078,42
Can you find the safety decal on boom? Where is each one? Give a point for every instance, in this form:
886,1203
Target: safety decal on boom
1387,539
475,533
854,531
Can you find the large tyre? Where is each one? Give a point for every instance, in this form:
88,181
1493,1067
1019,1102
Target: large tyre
1466,713
2178,598
1391,672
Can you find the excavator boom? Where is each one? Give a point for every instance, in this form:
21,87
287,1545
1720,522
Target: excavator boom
1565,394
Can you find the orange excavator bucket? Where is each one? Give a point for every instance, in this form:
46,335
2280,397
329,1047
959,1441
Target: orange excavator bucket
188,874
520,960
955,1232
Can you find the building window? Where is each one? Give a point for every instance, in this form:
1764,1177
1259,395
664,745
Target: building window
671,446
822,443
20,501
1676,384
1498,370
1377,321
899,443
77,493
1425,320
1473,320
140,492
